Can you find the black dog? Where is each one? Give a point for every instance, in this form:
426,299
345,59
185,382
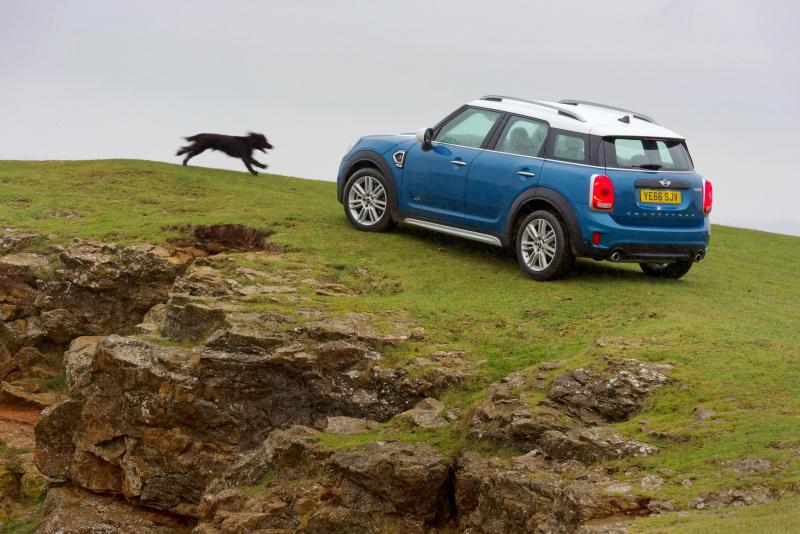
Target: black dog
235,146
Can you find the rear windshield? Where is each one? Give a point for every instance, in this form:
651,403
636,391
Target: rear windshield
646,153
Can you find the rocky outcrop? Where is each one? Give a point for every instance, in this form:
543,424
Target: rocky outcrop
569,423
155,421
291,484
70,510
212,412
532,494
613,394
85,288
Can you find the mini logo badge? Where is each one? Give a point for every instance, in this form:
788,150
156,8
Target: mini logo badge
665,182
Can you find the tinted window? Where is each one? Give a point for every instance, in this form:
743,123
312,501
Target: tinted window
522,136
468,128
569,147
667,154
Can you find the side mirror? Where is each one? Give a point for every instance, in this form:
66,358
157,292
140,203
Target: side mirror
425,136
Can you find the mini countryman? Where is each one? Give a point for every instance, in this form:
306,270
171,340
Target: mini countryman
552,181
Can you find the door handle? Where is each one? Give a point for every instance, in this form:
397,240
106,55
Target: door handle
458,162
526,174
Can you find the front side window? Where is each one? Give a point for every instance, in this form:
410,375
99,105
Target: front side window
651,154
569,147
469,128
523,136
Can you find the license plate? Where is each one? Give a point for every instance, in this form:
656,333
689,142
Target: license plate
654,196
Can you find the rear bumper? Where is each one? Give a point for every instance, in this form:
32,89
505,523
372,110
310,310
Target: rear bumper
642,243
635,252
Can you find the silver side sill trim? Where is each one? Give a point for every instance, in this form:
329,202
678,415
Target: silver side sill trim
450,230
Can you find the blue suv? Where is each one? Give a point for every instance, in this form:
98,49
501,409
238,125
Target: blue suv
552,181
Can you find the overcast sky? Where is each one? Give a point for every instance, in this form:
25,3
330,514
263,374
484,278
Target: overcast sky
100,79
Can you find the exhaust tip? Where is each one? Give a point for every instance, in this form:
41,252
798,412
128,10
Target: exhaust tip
615,256
699,256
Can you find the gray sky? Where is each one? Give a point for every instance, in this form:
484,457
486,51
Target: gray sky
99,79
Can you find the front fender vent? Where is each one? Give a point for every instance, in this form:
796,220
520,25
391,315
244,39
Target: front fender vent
399,158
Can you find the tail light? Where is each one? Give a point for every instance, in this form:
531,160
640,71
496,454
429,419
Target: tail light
602,193
708,196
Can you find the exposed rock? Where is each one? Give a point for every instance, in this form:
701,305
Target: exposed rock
749,466
33,483
153,321
55,431
70,510
611,395
410,476
78,360
348,425
733,497
201,281
13,240
369,488
28,362
248,332
589,445
28,391
285,447
188,318
428,413
258,289
61,325
360,326
506,416
342,354
24,261
156,423
95,288
526,494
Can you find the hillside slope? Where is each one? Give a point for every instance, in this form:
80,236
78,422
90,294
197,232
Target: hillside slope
726,422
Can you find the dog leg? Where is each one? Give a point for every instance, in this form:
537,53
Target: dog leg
192,153
249,168
256,163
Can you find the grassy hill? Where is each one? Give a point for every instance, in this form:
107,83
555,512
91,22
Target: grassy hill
730,326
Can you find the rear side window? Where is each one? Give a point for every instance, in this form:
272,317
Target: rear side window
569,147
650,154
469,128
523,136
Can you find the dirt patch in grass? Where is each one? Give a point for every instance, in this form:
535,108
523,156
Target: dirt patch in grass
218,238
230,238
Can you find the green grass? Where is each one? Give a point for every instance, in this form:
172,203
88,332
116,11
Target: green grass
730,326
778,517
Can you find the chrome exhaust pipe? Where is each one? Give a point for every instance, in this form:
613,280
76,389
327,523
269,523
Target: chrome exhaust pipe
615,256
699,256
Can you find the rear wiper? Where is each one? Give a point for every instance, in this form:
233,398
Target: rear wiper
653,166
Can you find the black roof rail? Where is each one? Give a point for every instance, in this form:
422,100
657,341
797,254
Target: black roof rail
637,115
566,113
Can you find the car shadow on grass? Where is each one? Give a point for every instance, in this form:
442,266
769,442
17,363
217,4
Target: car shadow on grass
497,258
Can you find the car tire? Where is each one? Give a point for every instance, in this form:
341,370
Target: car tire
543,247
666,270
367,201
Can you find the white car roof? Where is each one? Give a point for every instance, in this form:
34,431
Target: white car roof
581,117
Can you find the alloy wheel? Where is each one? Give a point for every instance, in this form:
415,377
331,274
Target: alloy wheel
367,200
539,244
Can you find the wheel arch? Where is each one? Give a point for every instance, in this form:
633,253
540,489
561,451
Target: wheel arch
551,200
367,159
